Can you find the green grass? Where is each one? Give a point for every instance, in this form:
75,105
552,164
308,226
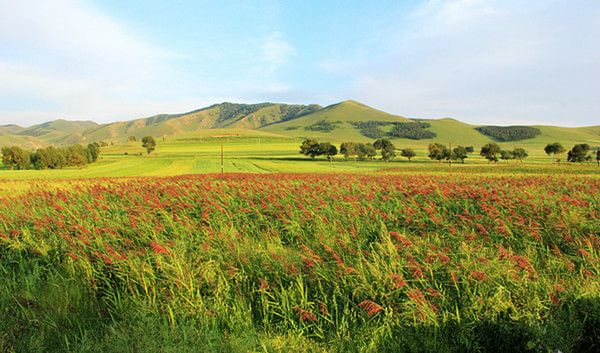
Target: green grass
445,262
258,152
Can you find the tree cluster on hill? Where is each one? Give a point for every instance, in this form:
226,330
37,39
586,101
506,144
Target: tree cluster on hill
289,112
415,130
228,111
323,126
509,133
50,157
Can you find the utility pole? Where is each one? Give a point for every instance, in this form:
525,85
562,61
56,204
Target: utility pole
222,166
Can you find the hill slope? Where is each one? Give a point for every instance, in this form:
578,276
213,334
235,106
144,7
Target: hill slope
342,115
224,115
335,123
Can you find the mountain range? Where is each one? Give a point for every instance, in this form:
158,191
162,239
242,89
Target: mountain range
337,122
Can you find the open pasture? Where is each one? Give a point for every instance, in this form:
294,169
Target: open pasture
199,154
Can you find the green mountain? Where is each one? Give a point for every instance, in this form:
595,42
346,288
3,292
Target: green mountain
218,116
344,121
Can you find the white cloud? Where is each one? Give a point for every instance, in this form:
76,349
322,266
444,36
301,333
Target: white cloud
276,51
491,62
74,57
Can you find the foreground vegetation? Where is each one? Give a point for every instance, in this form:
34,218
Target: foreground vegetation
312,262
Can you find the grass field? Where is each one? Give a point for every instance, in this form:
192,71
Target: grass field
438,262
264,153
134,254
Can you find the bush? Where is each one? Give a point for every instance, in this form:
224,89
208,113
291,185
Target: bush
323,126
509,133
414,130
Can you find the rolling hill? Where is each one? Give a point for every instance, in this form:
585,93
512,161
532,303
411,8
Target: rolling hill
336,123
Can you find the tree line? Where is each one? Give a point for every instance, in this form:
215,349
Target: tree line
51,157
579,153
356,150
437,151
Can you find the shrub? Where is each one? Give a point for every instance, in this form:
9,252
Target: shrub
323,126
414,130
509,133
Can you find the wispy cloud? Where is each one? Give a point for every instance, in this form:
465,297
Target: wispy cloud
73,56
276,51
489,61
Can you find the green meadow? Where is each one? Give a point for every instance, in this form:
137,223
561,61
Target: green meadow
268,154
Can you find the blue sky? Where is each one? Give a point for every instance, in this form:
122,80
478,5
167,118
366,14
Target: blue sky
479,61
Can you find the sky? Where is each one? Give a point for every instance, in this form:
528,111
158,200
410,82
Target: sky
479,61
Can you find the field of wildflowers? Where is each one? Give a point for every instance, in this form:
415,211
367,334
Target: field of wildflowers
302,262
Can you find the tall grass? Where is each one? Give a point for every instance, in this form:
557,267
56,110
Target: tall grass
312,262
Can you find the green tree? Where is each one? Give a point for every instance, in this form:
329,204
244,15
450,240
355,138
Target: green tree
506,155
388,150
131,139
94,151
554,148
520,154
490,152
310,147
460,153
438,152
49,158
348,149
408,153
369,151
77,156
362,151
328,150
598,156
149,143
16,158
579,153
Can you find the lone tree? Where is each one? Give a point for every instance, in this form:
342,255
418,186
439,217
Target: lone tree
490,152
579,153
438,152
460,153
387,149
598,157
149,143
408,153
328,150
555,149
520,154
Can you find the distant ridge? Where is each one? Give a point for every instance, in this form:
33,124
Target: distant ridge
275,119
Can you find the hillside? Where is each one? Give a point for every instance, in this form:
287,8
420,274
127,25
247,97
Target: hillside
224,115
337,123
342,115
